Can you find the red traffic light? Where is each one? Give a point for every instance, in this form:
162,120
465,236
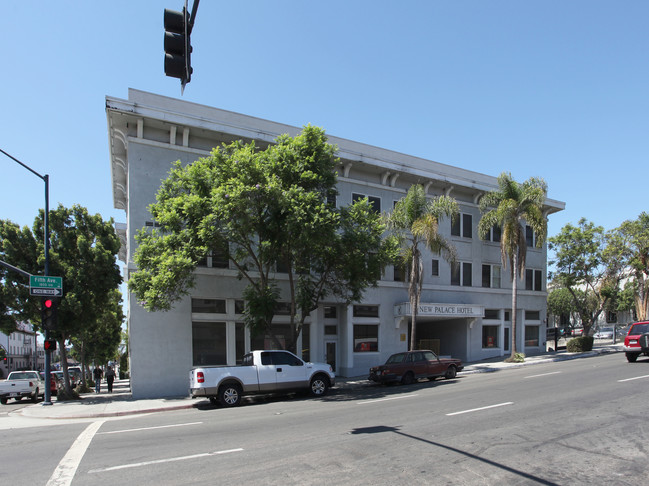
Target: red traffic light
48,303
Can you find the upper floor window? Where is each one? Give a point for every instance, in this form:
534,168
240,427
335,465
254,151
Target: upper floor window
530,236
210,306
491,276
461,274
533,280
374,201
462,226
366,311
435,272
494,234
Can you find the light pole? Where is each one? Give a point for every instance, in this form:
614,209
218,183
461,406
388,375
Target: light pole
46,236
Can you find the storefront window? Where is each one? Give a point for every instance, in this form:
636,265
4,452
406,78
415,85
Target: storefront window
209,343
366,338
489,336
531,335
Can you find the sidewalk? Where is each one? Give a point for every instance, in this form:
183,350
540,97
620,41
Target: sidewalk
121,403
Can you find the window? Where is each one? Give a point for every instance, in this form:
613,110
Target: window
461,274
489,336
281,333
493,314
208,343
366,338
435,272
491,276
530,236
611,317
330,312
306,342
331,200
531,335
216,259
533,280
283,309
239,306
400,275
280,358
462,226
208,306
532,315
239,341
331,330
374,201
494,234
366,311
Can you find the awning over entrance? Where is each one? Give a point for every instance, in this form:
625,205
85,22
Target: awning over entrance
446,311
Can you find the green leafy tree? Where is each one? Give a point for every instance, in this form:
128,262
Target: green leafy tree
263,210
83,251
635,234
587,262
415,223
511,207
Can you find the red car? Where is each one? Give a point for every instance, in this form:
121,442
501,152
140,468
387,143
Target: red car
636,341
409,366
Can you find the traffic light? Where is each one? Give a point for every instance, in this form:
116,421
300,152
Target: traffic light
49,314
50,345
177,45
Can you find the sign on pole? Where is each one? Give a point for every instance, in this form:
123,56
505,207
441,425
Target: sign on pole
46,286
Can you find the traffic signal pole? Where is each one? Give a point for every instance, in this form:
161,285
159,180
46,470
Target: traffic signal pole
46,218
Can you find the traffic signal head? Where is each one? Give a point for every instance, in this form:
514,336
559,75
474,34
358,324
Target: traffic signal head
177,45
49,314
50,345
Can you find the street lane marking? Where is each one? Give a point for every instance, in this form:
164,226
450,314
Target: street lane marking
384,399
67,468
481,408
161,461
631,379
544,374
150,428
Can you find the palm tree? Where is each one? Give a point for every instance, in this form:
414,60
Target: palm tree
510,208
415,223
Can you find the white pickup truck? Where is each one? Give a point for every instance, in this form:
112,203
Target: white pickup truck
261,372
22,384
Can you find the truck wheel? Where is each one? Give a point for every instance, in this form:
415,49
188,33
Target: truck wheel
319,385
3,400
35,396
230,395
451,372
632,357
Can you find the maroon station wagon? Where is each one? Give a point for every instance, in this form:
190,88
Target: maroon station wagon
409,366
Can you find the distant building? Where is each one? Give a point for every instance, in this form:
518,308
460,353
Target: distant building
22,349
465,310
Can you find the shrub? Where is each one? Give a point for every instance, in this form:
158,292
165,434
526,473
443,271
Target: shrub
579,344
518,358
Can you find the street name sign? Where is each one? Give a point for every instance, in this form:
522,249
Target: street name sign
46,286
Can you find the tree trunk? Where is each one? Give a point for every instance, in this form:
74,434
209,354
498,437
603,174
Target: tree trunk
514,298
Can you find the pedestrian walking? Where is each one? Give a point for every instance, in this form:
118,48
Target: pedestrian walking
110,377
97,374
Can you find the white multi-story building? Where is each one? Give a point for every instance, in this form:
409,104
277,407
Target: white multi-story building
465,310
22,350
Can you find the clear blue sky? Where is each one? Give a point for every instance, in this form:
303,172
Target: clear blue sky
556,89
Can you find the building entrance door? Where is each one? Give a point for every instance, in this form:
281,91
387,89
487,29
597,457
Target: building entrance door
330,354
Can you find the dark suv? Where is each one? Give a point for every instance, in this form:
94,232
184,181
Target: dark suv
636,341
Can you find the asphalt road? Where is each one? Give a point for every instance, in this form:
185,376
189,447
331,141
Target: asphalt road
572,422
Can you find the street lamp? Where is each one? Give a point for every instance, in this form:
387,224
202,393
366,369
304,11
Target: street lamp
46,236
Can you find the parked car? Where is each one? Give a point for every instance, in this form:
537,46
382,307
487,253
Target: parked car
604,333
577,331
636,341
409,366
